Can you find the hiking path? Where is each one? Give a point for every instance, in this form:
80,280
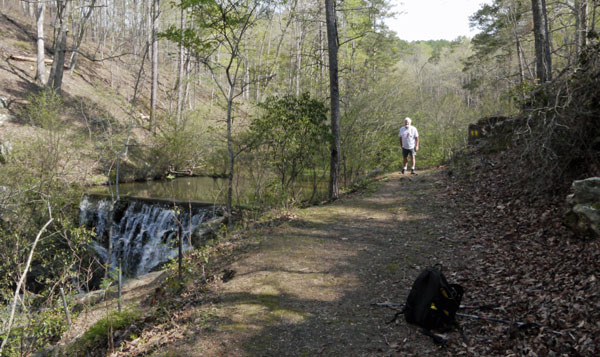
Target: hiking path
307,285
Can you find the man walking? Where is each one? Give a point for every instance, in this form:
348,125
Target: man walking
410,144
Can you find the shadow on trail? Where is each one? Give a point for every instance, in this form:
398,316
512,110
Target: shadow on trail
276,269
376,260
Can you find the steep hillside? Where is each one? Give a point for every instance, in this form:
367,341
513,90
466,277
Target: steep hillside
95,106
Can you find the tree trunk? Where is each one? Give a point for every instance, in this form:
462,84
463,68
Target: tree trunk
258,64
230,152
580,8
60,63
247,78
57,39
79,38
520,59
154,86
57,68
321,54
300,35
40,75
593,21
513,18
583,22
181,70
186,90
542,41
60,44
576,9
275,66
332,42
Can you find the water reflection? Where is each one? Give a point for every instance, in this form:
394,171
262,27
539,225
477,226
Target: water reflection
203,189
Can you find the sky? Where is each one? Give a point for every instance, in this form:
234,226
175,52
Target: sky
433,19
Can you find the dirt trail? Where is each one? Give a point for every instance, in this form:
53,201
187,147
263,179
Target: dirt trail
307,288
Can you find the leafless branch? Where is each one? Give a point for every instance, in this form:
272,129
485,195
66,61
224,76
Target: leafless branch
22,280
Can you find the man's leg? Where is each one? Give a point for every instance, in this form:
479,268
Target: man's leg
405,162
412,170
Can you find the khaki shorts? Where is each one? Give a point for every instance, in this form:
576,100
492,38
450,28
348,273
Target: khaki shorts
406,152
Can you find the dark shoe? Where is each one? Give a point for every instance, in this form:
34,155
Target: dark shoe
402,171
412,171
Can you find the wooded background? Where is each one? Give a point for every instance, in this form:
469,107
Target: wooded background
200,86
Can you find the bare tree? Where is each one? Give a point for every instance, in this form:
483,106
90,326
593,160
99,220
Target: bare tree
580,25
542,41
79,39
332,45
57,69
40,75
229,23
154,75
180,77
299,33
275,66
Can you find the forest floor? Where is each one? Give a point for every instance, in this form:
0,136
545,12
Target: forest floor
304,285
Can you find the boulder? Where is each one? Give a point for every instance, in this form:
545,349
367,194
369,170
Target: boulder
206,231
5,118
583,213
5,149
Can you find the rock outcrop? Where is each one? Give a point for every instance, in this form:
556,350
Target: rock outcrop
583,214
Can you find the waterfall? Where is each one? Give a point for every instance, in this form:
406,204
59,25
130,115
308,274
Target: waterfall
144,233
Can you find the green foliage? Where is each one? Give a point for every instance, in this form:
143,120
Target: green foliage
178,145
492,22
289,133
428,87
54,259
37,186
42,329
217,162
44,109
214,22
193,40
97,336
521,92
33,182
48,326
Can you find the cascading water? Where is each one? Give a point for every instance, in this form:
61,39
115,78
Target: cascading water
144,233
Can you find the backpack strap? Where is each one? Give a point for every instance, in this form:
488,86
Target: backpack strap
437,339
397,314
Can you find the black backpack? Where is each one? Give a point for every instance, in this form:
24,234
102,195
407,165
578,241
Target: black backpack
432,302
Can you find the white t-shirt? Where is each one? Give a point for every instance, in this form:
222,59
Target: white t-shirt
408,136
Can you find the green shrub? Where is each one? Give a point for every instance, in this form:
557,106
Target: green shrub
96,338
290,134
43,109
41,330
178,144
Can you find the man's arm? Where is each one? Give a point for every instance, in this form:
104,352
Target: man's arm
417,143
400,137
